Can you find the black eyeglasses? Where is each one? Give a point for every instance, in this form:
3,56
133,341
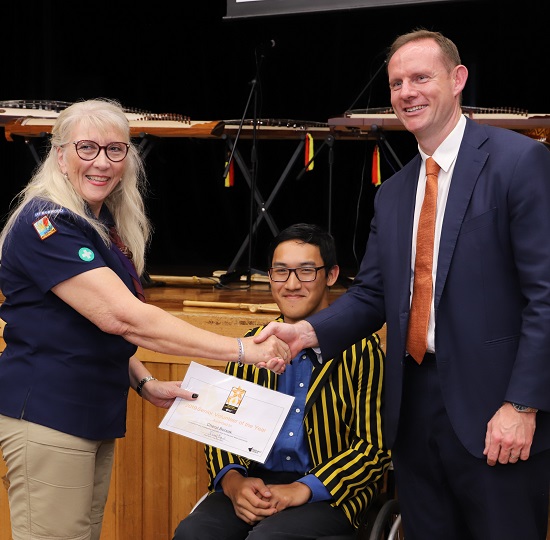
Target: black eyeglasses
89,150
280,274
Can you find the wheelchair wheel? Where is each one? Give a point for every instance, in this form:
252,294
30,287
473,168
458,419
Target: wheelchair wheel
387,525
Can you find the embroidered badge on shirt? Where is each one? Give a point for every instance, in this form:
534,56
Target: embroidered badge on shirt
86,254
44,227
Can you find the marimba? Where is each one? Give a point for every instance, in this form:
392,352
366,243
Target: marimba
36,118
368,121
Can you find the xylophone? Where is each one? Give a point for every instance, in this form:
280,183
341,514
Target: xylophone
35,118
536,126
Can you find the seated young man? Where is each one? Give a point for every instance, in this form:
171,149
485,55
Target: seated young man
325,465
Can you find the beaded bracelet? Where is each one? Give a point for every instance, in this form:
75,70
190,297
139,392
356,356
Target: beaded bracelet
240,360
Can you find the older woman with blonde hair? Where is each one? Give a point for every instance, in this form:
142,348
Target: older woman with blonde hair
72,252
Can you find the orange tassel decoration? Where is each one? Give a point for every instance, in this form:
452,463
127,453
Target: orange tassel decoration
230,178
376,177
309,152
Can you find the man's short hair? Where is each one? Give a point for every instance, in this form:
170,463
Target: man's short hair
449,51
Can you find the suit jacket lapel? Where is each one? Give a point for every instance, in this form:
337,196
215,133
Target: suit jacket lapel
468,167
405,230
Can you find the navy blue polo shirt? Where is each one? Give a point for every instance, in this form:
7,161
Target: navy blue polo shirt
58,369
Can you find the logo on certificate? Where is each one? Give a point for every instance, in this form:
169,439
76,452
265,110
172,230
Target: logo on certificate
234,399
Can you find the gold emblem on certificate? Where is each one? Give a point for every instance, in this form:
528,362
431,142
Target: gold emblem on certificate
234,399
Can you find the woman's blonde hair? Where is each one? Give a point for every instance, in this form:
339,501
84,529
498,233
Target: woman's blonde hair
126,200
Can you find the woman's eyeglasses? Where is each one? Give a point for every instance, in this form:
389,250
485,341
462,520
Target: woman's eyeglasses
89,150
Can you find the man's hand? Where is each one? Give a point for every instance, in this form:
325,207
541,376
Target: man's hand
287,495
509,435
297,336
251,498
271,353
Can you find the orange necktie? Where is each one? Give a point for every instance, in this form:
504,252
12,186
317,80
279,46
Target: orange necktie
422,289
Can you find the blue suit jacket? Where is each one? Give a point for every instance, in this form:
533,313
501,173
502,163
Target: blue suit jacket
492,291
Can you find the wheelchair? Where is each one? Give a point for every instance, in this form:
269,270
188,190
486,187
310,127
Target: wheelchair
387,524
382,520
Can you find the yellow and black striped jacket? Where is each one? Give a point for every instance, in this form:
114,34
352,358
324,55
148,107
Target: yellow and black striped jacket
343,423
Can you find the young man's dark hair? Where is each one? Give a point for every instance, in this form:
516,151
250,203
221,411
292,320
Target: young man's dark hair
309,234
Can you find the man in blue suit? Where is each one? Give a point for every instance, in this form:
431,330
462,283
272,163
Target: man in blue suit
468,423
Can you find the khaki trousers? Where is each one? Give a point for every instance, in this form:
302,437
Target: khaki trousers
58,483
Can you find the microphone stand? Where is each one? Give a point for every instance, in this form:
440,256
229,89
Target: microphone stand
235,275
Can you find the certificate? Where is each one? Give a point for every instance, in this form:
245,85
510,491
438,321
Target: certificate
231,414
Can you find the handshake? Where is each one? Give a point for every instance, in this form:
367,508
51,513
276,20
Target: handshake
277,344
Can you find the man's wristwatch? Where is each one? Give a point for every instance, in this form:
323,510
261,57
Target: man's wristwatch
523,408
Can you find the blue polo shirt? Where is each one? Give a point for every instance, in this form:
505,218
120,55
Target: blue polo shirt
58,369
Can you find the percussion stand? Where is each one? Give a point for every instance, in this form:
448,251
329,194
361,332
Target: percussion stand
147,143
263,206
382,141
32,148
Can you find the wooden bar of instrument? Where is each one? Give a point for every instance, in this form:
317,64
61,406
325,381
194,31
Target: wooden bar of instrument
35,118
38,127
536,125
261,308
30,126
